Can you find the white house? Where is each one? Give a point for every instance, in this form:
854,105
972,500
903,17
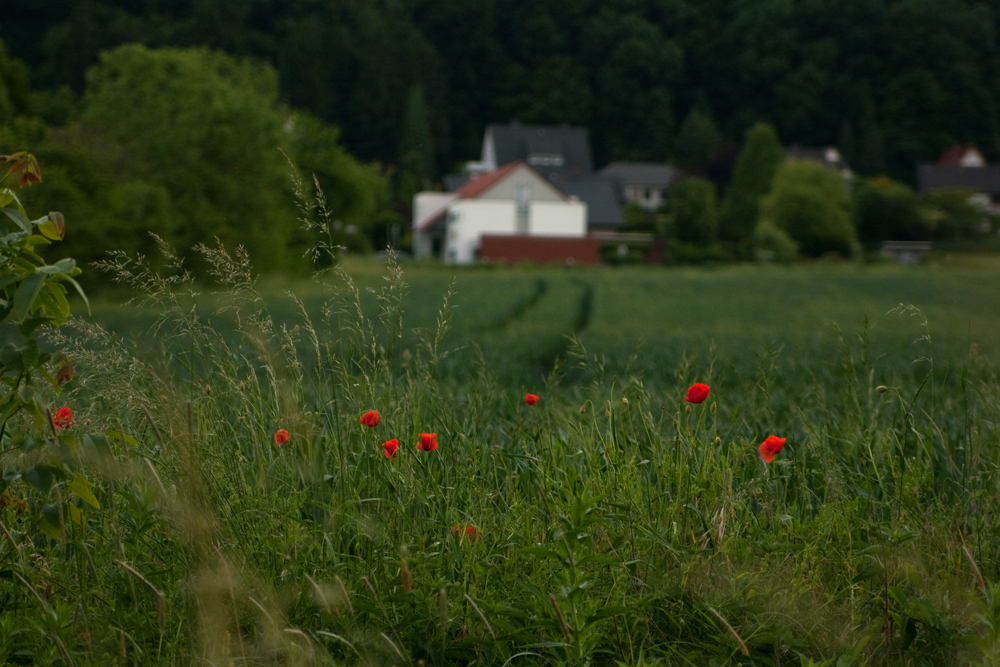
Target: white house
514,200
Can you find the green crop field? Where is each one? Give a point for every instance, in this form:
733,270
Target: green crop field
612,523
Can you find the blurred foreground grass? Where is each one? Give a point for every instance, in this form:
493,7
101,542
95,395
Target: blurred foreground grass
611,524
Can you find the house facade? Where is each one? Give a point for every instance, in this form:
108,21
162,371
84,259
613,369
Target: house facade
642,183
513,200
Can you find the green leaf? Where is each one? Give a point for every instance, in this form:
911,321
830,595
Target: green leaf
35,239
48,523
80,291
27,292
84,490
20,218
48,229
117,435
40,478
606,612
96,446
10,357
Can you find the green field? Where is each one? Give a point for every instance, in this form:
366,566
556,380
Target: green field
614,523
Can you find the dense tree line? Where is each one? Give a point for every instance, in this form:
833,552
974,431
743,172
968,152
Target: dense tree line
892,82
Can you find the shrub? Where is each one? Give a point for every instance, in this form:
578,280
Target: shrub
809,203
690,209
884,209
771,243
954,214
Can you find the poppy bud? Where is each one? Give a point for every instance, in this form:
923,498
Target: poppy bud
624,400
718,441
163,397
881,389
208,389
242,386
583,409
712,408
687,409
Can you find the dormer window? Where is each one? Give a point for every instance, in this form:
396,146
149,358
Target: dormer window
546,160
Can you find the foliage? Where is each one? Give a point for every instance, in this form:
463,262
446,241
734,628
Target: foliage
956,214
33,297
13,87
690,207
416,163
884,210
773,243
166,138
697,142
206,128
809,203
755,169
892,83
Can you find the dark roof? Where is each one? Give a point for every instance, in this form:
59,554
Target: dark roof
558,152
453,182
602,204
978,179
646,174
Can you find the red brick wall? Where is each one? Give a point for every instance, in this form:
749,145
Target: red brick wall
540,249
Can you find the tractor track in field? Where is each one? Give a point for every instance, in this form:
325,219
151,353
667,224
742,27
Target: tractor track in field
519,311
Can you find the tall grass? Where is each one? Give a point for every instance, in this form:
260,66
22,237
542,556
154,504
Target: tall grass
613,523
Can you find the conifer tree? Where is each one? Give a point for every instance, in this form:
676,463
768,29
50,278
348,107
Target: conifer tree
755,168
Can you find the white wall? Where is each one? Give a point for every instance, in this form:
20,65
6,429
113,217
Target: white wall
426,204
565,218
468,220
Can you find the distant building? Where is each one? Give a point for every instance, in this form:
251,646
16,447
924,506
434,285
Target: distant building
642,183
962,156
963,168
560,157
559,152
514,200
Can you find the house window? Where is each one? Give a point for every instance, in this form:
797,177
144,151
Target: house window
522,207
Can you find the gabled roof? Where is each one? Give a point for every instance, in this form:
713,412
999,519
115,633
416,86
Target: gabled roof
651,174
962,156
557,151
949,177
602,203
477,186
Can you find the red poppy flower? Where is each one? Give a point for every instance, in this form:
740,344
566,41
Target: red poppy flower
390,448
428,442
281,437
770,447
697,393
370,418
63,418
470,532
530,399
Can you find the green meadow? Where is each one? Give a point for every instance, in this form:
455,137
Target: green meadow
611,523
